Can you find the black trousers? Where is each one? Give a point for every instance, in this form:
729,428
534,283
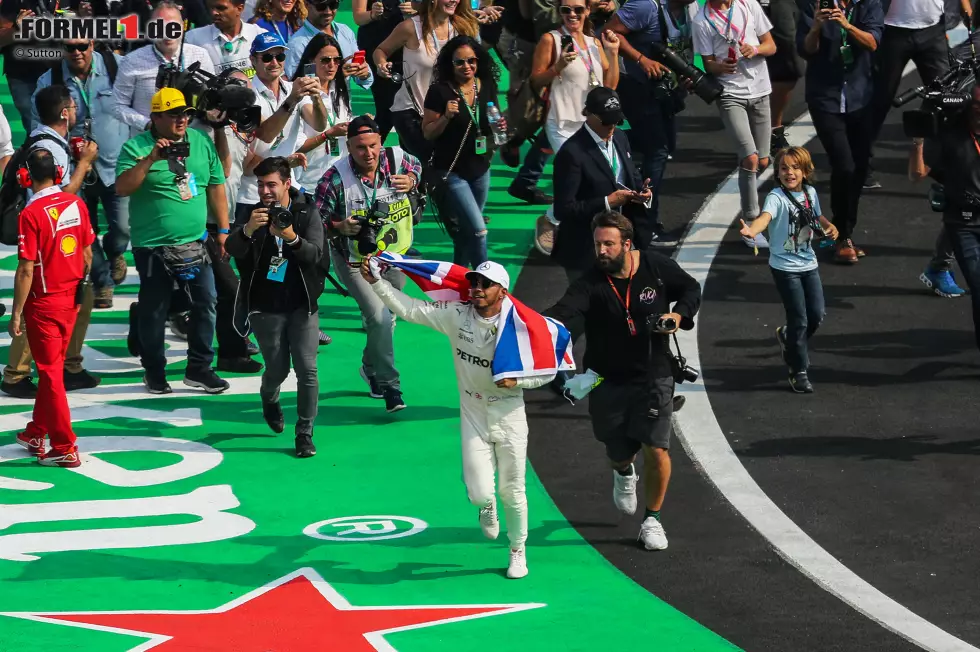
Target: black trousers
383,90
847,139
926,47
230,343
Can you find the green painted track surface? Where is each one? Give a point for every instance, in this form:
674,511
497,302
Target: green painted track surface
369,463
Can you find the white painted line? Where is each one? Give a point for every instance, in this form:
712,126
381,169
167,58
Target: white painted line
705,443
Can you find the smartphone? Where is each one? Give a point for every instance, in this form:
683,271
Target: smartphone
358,58
309,70
825,4
566,42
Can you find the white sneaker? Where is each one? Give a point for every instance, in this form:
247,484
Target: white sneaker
652,534
488,521
758,241
518,564
624,491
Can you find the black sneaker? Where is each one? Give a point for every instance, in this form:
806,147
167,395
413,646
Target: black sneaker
272,413
205,379
530,195
393,400
778,141
80,380
21,389
871,181
678,402
157,385
304,445
251,348
239,365
664,239
324,339
133,338
800,383
372,382
179,324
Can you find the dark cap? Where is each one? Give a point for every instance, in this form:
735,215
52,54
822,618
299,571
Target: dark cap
604,103
362,124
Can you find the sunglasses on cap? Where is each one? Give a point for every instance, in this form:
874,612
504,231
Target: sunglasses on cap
481,282
268,57
76,47
459,63
568,11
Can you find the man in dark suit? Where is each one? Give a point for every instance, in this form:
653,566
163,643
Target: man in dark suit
594,172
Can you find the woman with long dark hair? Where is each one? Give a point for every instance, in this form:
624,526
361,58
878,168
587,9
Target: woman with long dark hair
455,121
324,148
420,40
282,17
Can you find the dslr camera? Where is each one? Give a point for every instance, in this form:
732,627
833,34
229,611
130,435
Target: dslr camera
279,217
177,150
682,372
371,225
945,98
231,97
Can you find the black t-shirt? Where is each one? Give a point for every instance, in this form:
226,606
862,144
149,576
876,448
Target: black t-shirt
272,296
955,160
591,306
470,165
25,68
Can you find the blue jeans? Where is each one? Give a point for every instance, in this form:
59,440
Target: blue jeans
654,132
21,91
966,248
116,238
156,287
534,161
465,201
802,295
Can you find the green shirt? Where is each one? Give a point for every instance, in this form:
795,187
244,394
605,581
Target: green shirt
157,215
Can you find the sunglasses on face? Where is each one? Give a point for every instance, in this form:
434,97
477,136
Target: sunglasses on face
71,47
568,11
267,58
481,283
459,63
326,6
331,60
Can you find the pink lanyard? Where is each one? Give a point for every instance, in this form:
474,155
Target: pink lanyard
732,33
585,56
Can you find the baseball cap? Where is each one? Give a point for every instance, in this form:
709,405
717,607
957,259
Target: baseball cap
492,271
167,100
362,124
604,103
267,41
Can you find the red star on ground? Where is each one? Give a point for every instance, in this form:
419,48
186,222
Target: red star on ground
299,612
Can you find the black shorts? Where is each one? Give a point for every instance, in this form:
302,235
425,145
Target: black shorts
786,65
623,416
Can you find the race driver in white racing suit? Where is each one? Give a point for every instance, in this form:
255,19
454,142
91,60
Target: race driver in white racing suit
493,425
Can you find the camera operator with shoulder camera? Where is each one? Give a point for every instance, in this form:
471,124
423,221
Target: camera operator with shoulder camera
952,158
278,253
173,175
368,200
628,306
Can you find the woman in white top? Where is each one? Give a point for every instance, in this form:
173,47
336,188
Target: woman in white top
420,39
324,148
570,61
733,38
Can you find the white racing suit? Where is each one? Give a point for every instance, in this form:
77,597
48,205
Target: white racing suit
493,426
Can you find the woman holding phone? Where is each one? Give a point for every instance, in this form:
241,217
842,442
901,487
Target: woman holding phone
420,39
570,61
456,123
282,17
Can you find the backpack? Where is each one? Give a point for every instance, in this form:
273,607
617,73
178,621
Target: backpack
111,66
13,198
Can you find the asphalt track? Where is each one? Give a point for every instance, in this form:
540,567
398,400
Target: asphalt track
872,466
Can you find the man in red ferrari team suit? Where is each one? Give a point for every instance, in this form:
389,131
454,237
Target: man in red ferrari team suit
55,255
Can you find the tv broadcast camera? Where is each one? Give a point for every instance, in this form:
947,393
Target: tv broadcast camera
944,98
206,92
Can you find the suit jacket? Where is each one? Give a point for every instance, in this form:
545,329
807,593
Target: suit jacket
583,179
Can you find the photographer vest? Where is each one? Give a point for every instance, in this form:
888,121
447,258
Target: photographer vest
395,231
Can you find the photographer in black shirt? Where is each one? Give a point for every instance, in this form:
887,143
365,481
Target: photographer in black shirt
623,305
278,253
953,159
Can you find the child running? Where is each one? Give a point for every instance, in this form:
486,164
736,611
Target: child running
792,214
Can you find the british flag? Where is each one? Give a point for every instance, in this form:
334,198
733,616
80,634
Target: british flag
528,344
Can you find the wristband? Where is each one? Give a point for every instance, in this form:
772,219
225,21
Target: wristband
224,231
293,242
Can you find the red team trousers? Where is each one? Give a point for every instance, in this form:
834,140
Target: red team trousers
49,322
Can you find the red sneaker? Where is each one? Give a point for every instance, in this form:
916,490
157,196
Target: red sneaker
69,460
34,445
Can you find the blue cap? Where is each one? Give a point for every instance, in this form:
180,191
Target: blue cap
267,41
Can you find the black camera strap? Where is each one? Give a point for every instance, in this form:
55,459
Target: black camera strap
795,217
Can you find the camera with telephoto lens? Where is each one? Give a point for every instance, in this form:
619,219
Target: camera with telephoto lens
174,151
943,99
204,91
703,85
279,217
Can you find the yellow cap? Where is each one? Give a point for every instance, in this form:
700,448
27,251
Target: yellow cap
168,99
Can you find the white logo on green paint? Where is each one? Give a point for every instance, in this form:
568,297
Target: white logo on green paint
365,528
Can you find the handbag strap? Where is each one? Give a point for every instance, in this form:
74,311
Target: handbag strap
462,143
